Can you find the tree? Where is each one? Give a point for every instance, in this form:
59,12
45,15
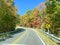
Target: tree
53,8
31,18
7,16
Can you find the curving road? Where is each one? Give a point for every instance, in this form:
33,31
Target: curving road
27,37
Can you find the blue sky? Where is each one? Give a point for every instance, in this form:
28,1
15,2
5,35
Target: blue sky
24,5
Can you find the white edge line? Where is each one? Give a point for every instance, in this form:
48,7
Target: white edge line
39,37
36,34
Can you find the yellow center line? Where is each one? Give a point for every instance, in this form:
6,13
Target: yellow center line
19,38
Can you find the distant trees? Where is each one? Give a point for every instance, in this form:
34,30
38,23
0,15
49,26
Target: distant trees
31,19
7,16
47,15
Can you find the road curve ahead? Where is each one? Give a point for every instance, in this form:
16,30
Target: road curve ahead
29,37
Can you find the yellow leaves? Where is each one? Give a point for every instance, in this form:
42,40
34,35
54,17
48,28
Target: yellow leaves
12,0
25,19
8,4
33,15
7,1
48,25
32,19
25,16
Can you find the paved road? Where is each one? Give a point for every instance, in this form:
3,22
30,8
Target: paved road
27,37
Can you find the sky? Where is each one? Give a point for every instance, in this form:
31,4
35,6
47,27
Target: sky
24,5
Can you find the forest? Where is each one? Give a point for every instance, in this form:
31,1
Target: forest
45,16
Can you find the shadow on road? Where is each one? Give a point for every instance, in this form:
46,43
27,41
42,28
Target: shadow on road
18,30
10,35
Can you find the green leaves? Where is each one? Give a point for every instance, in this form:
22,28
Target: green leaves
7,17
53,9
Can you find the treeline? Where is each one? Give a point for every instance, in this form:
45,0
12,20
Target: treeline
46,15
8,16
31,19
53,13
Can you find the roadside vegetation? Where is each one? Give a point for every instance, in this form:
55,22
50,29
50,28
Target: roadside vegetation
46,17
8,16
46,38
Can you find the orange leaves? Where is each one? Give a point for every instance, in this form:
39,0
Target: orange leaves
32,19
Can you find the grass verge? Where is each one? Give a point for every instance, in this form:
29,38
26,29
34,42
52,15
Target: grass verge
46,38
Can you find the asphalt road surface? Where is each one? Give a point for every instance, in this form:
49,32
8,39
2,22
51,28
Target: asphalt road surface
26,37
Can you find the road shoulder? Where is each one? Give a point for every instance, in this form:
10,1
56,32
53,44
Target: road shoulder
46,39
